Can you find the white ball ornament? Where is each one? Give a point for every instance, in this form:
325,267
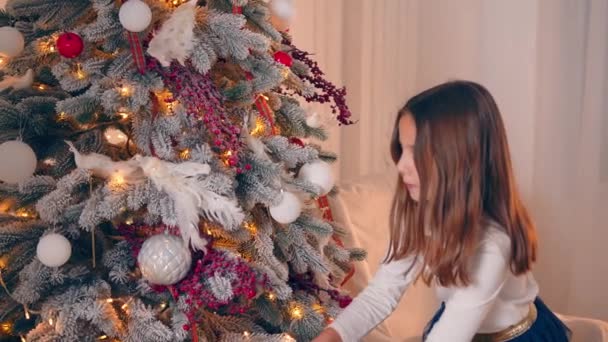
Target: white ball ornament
11,41
283,9
18,162
314,120
318,173
135,15
288,210
53,250
164,259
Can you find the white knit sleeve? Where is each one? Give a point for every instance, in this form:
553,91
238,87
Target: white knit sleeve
378,300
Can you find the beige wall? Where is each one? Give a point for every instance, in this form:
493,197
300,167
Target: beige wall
544,61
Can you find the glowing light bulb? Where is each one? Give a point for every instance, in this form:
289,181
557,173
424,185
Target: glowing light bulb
80,74
115,136
185,154
62,116
296,313
117,181
125,91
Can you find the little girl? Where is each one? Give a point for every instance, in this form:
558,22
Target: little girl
458,223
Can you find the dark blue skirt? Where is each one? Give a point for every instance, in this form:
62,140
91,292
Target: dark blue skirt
546,328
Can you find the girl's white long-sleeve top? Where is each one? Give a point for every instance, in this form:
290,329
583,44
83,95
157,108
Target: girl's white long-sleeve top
495,299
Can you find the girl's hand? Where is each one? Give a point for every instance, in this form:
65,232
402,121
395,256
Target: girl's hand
328,335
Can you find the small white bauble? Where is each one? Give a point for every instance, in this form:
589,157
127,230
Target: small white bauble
164,259
283,9
18,162
115,136
135,15
318,173
314,120
11,41
288,210
53,250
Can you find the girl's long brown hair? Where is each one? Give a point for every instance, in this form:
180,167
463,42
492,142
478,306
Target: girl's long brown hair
466,179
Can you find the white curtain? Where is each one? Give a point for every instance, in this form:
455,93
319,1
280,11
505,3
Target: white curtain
545,61
571,148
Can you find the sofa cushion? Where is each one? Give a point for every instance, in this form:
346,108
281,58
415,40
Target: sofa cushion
362,208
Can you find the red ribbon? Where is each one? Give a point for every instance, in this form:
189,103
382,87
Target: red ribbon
262,105
136,49
323,203
264,109
237,9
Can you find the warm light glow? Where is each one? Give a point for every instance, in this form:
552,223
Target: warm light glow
23,213
3,61
125,306
246,334
129,221
80,74
117,181
174,3
272,296
251,227
47,45
123,115
5,206
62,116
125,91
6,327
318,308
296,312
115,136
260,127
23,339
226,157
103,337
109,300
163,305
41,87
166,101
27,314
50,162
51,321
185,154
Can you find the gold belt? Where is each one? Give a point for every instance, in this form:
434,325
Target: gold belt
511,332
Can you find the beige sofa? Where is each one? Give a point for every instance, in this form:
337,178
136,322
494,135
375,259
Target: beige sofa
362,207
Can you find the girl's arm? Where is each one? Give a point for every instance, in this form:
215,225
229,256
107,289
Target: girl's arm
468,306
374,303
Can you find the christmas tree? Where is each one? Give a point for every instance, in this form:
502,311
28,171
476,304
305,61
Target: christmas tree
159,177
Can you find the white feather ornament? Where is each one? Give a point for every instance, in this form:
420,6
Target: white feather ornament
175,39
190,196
18,82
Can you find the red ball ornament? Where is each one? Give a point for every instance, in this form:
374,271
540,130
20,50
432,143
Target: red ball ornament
283,58
296,141
69,45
